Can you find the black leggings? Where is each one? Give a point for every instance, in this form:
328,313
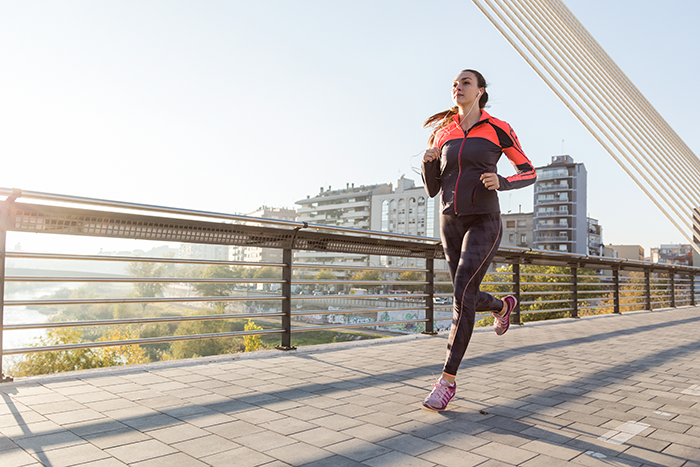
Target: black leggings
470,243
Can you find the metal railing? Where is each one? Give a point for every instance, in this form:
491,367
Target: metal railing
292,305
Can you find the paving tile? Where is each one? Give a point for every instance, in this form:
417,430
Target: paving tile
410,445
176,433
235,429
503,453
140,451
121,437
71,455
16,458
446,455
170,460
321,436
205,446
551,449
394,458
264,441
56,440
357,449
299,454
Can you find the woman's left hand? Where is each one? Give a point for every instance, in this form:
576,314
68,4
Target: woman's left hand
490,181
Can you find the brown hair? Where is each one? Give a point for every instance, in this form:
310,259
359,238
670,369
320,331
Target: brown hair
442,119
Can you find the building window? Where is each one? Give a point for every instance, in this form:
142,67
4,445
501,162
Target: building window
523,239
385,215
510,224
522,223
511,238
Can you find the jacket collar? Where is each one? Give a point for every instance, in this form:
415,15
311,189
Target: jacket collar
484,118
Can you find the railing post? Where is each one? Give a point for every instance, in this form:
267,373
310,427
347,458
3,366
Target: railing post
616,289
672,276
647,287
515,318
692,289
430,292
574,291
287,301
4,215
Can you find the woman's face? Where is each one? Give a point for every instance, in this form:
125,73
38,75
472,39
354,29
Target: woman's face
465,89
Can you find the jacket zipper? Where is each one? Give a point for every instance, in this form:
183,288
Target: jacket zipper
459,176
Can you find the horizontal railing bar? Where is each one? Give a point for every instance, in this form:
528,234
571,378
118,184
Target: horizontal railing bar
209,214
177,280
548,292
346,297
353,282
137,259
554,310
142,341
558,284
539,302
357,310
590,307
344,326
103,301
359,268
120,322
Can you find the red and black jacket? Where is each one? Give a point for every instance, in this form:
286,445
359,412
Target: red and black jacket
465,155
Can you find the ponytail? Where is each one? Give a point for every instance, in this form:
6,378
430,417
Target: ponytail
440,120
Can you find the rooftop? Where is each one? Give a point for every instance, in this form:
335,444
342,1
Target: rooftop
608,390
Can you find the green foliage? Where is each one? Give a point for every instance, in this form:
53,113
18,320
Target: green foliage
217,289
324,275
252,342
146,289
546,286
412,276
79,359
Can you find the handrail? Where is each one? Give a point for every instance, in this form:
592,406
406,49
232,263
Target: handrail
373,306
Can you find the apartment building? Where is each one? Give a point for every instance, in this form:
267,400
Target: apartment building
407,210
560,220
517,229
349,207
680,254
254,254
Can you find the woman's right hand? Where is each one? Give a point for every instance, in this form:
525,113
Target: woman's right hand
431,154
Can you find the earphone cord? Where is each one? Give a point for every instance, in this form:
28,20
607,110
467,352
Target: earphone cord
416,169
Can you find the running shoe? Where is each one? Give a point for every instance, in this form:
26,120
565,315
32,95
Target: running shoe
502,323
440,396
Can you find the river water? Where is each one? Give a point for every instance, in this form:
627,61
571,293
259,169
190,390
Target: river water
23,315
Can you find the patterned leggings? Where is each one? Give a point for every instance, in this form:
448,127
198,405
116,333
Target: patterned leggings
470,243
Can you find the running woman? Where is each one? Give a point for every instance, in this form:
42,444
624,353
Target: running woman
464,150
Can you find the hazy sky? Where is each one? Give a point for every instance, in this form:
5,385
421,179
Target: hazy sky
228,105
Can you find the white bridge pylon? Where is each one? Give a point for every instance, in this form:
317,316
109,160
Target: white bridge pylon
564,54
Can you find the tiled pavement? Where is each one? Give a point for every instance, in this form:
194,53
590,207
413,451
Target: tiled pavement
613,390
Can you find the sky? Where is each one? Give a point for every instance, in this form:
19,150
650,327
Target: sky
228,105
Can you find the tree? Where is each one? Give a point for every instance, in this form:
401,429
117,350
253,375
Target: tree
253,342
40,363
216,289
146,289
412,276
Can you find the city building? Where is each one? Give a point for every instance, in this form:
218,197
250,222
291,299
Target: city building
348,207
635,252
203,251
517,229
673,254
406,210
266,255
595,238
560,220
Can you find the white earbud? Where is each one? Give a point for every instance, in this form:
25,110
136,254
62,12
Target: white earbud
480,93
